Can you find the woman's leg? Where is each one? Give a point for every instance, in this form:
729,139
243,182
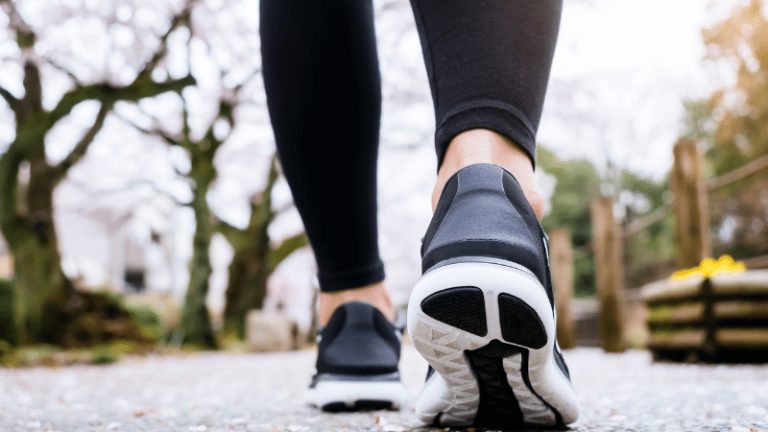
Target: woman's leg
482,315
488,63
324,95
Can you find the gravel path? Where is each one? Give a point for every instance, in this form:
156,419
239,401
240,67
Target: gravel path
236,392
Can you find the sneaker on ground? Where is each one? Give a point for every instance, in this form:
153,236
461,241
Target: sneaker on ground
357,362
482,314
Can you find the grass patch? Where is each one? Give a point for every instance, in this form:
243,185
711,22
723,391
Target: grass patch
51,356
103,356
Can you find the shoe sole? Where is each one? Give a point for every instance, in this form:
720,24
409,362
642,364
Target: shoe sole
360,395
489,332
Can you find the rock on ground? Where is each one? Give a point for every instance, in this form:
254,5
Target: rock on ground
263,392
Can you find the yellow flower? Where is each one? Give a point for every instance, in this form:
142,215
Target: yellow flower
710,267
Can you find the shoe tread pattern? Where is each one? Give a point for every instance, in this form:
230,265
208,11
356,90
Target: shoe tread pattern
520,324
359,405
460,307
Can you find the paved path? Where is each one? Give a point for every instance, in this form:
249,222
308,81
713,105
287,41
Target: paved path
231,392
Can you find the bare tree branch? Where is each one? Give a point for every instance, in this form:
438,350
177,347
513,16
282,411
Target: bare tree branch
272,177
228,103
286,248
226,112
78,152
10,99
128,186
185,128
156,131
141,87
33,88
251,76
109,93
59,67
25,36
179,20
183,175
230,232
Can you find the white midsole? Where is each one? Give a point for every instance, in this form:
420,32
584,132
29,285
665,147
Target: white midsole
349,392
455,393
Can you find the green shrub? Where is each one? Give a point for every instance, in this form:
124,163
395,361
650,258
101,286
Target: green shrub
104,355
97,318
148,320
6,351
8,331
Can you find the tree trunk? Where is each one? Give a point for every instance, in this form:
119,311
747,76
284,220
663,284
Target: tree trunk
29,229
250,267
247,285
253,263
196,321
40,286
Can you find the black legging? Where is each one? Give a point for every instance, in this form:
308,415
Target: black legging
488,63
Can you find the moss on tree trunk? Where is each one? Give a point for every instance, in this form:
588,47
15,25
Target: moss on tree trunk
41,286
247,285
8,329
196,320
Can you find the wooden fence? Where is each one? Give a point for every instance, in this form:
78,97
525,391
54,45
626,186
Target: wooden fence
718,318
690,208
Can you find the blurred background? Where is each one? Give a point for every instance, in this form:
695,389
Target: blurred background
140,199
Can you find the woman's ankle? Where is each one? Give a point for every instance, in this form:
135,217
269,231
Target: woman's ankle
374,294
478,146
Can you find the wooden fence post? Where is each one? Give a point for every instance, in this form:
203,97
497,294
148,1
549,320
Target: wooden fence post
690,205
607,243
561,263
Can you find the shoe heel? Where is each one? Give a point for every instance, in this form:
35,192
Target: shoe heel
487,300
488,330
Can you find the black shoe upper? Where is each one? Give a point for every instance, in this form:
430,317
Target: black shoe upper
483,212
358,340
483,215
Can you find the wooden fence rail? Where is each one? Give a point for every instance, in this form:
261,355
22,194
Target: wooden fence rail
691,205
609,272
561,264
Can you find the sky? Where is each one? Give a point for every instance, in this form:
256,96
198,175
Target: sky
620,74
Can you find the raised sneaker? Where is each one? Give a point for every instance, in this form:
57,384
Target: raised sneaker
482,314
357,362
